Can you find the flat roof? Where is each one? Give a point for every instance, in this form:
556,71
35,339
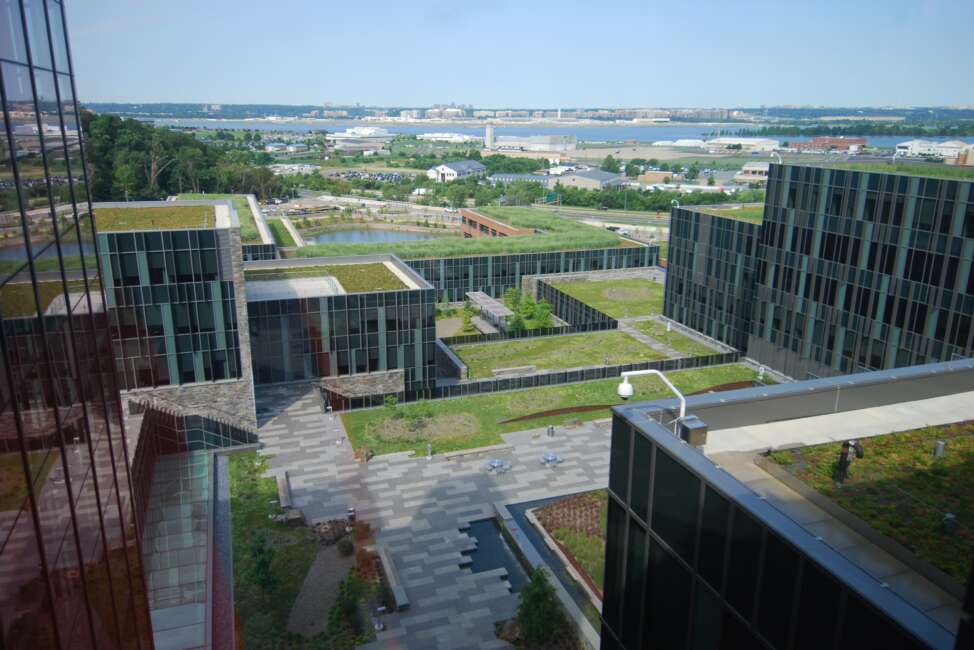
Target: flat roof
745,422
163,215
927,170
492,305
308,277
748,213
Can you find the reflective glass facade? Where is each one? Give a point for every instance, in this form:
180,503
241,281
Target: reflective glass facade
334,336
863,270
173,311
690,564
710,274
70,567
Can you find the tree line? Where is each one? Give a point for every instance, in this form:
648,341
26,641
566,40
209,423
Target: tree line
132,160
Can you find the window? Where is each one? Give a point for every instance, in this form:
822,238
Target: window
675,495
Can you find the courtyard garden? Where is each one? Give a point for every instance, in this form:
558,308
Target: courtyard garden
452,424
552,352
682,343
617,298
902,491
290,589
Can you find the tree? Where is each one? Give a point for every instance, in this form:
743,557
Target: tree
512,298
632,169
539,612
542,314
261,561
515,323
610,164
692,172
710,180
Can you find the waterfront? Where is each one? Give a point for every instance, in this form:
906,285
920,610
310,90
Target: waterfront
584,132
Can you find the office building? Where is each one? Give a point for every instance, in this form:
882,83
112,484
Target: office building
173,278
364,324
452,171
71,571
590,179
853,269
707,548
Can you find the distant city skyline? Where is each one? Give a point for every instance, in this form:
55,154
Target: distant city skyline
544,54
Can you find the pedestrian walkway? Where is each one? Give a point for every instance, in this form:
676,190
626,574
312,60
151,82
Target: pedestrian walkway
421,507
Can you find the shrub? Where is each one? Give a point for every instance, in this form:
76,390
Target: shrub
539,612
345,546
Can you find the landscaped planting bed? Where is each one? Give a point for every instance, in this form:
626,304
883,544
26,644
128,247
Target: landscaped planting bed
281,235
902,491
617,298
682,343
464,423
574,351
174,217
579,523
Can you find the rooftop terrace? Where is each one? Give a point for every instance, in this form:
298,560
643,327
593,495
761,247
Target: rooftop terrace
748,213
161,217
555,234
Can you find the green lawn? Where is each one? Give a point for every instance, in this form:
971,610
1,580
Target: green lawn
162,218
902,491
13,489
354,278
263,609
947,172
248,229
682,343
281,235
574,351
617,298
17,298
463,423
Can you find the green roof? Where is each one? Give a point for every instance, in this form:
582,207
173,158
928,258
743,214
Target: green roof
556,234
162,218
929,170
248,230
17,298
354,278
748,213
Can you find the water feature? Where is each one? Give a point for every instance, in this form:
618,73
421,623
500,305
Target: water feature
494,553
553,562
366,236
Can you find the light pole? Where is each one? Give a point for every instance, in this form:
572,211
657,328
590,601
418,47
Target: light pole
775,153
625,389
674,203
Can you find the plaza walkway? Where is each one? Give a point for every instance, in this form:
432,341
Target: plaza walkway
420,508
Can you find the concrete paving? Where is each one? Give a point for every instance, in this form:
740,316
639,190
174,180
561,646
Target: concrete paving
421,507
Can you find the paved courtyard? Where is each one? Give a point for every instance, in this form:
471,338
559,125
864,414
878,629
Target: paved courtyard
420,506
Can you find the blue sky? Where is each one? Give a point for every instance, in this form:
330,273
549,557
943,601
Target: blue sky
495,53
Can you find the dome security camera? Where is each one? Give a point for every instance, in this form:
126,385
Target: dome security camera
625,389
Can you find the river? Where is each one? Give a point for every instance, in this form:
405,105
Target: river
584,133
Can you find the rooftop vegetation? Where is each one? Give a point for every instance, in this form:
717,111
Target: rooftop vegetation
17,299
281,235
929,170
617,298
551,352
901,490
354,278
174,217
749,213
13,488
477,421
556,234
248,229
